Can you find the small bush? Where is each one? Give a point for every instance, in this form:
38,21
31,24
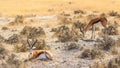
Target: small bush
20,48
33,32
2,39
111,30
13,39
64,19
107,43
113,13
79,25
79,11
71,46
92,54
3,51
114,63
41,45
13,62
18,19
5,28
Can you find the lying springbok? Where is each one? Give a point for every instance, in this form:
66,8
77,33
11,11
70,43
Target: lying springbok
38,54
93,23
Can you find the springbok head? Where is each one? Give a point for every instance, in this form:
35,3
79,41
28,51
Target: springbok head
31,46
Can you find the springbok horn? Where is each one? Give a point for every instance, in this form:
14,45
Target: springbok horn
28,42
34,43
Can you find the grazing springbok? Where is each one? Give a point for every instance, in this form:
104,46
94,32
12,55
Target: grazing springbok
38,54
93,23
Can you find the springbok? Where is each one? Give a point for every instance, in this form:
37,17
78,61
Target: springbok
38,54
93,23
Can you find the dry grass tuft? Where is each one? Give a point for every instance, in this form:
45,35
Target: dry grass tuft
33,32
5,28
107,43
64,19
111,30
65,34
18,19
80,26
79,12
112,13
41,45
20,48
71,46
91,53
2,39
13,39
3,52
114,63
13,62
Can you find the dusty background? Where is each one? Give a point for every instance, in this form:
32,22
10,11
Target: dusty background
51,16
41,7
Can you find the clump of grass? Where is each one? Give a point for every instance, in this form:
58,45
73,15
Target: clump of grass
107,43
91,53
113,13
13,62
64,19
20,48
2,39
5,28
79,12
13,39
114,63
41,45
80,26
18,19
111,30
3,51
65,34
33,32
71,46
115,48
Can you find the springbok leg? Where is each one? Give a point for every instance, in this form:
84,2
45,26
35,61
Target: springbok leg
93,32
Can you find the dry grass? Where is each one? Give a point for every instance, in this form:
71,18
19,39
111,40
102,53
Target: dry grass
41,45
3,52
33,32
71,46
20,48
107,43
13,39
13,62
111,30
113,13
65,34
4,28
91,53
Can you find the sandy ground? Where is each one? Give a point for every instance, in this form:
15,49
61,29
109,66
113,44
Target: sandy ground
46,12
46,7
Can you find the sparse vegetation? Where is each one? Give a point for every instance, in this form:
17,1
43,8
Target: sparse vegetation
20,48
18,19
3,52
41,45
107,43
71,46
111,30
91,53
13,62
33,32
113,13
64,34
5,28
13,39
